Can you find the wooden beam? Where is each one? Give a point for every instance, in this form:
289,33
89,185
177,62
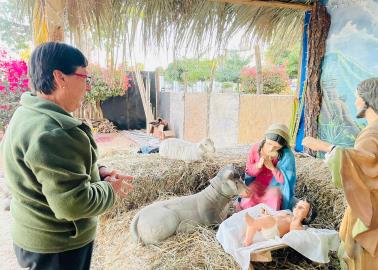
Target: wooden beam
271,4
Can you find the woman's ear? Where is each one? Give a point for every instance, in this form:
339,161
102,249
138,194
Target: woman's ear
59,79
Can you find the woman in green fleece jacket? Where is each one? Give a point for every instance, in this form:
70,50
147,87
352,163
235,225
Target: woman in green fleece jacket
50,161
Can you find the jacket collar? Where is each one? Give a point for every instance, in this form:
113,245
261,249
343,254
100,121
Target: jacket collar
35,103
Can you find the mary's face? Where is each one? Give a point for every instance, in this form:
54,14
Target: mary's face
271,147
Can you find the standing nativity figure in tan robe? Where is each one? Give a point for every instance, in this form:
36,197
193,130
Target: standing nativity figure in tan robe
355,170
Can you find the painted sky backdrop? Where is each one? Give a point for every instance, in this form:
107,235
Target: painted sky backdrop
351,56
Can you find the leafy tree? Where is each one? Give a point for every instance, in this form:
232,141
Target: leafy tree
289,58
189,70
106,83
15,33
229,69
275,79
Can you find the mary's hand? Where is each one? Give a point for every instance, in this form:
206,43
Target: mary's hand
246,193
260,163
269,164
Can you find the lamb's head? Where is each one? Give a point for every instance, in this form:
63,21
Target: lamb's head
206,146
228,182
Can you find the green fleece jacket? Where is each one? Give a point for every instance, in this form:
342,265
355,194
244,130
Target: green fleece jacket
50,169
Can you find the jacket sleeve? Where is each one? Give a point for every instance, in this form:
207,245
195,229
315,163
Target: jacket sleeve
61,161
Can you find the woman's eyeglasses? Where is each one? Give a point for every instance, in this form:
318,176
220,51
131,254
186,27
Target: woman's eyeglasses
88,79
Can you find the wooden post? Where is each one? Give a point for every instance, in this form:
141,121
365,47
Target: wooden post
48,16
318,31
259,85
55,19
157,86
142,90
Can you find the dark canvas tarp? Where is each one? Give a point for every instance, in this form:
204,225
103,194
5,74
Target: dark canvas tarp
126,111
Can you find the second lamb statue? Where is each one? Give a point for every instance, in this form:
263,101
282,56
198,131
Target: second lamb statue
186,151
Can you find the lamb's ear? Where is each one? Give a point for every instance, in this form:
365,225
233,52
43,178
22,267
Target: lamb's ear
228,172
229,188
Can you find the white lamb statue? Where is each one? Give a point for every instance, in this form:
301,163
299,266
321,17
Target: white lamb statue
186,151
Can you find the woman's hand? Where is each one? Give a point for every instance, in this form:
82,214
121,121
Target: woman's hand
105,172
117,180
316,144
119,185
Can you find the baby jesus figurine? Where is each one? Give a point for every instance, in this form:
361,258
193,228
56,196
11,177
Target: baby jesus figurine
269,226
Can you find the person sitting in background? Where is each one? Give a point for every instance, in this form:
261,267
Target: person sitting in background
270,171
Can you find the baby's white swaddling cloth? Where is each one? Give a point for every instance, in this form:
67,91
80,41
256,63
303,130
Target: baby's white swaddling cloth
312,243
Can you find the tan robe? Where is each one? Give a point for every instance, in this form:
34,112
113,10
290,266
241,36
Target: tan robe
357,173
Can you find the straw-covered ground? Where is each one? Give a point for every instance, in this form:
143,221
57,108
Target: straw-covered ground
157,178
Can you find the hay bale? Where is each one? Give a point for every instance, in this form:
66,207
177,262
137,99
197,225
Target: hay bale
115,249
155,176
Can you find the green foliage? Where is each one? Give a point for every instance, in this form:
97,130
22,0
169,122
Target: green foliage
227,85
229,69
189,70
274,79
289,58
335,131
9,103
14,33
106,84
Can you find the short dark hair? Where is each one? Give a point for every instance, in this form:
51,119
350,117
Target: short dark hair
51,56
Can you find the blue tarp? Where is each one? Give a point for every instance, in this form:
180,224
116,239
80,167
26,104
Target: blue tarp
300,134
